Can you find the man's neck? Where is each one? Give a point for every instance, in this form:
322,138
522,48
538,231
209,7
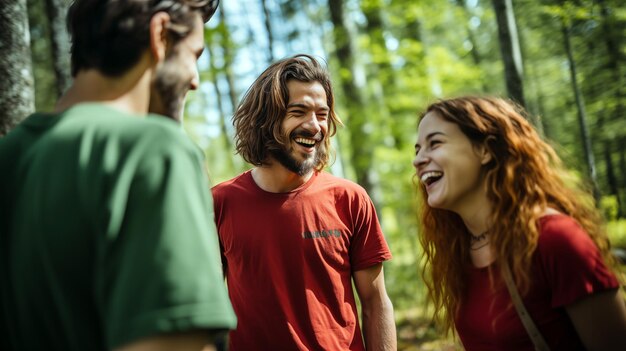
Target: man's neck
275,178
129,92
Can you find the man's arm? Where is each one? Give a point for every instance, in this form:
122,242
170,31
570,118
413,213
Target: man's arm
379,328
600,320
163,246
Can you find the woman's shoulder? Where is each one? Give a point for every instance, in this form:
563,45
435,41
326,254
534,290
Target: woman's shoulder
571,261
562,233
554,221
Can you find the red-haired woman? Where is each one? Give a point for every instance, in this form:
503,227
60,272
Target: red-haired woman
495,201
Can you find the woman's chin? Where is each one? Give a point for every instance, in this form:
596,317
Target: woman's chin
435,202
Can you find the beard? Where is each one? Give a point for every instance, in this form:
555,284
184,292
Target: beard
285,156
168,90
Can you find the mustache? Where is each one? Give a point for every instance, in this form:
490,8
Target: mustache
303,133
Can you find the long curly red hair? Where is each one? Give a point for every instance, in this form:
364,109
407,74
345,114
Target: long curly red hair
524,178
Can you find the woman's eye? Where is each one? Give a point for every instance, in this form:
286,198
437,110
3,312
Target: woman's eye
434,142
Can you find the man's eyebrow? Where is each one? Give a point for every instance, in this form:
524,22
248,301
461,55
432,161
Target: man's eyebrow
296,105
305,106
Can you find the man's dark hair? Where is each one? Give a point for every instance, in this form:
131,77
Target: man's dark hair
111,35
258,119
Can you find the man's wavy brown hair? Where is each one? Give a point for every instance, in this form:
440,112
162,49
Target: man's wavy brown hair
524,178
259,116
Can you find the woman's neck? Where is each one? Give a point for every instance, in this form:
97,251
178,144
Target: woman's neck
477,217
478,220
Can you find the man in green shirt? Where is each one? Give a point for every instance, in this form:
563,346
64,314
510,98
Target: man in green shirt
105,242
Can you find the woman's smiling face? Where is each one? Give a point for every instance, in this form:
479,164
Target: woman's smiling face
448,165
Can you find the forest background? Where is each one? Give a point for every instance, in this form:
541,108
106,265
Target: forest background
563,60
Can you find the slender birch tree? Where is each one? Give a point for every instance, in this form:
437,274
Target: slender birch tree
510,49
17,98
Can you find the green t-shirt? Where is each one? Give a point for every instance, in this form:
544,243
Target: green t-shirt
106,232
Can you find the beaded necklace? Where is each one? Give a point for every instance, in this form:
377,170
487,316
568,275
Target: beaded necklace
474,239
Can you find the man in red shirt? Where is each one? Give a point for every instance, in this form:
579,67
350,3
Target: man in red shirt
293,237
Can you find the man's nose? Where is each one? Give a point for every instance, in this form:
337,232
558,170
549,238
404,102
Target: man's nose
313,124
195,81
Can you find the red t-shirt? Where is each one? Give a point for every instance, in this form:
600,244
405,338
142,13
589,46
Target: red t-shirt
290,258
566,267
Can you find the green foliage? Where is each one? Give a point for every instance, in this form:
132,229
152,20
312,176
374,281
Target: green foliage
399,221
609,208
617,233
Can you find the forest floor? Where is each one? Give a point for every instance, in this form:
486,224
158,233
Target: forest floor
417,333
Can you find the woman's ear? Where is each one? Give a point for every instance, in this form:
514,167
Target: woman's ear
158,35
486,156
484,152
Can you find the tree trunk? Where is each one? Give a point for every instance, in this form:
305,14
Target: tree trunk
618,111
582,114
610,173
16,91
228,60
622,167
611,40
361,145
268,28
510,49
59,40
537,118
228,145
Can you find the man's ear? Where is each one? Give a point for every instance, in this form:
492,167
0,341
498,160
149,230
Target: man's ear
158,35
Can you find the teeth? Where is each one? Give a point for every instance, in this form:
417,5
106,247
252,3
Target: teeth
305,141
429,175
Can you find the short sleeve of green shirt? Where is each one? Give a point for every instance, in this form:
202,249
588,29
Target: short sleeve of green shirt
158,265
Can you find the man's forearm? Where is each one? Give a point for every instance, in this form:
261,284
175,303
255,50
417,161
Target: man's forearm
379,327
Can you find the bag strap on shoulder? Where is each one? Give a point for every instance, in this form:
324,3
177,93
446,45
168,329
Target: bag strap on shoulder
529,325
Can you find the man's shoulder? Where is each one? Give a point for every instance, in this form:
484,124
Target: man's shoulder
329,180
161,130
238,183
107,125
124,124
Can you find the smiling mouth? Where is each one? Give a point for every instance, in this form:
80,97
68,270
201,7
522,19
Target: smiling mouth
306,142
429,178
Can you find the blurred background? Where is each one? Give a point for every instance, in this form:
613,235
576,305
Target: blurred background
565,61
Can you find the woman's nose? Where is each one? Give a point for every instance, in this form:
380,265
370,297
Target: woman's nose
420,159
